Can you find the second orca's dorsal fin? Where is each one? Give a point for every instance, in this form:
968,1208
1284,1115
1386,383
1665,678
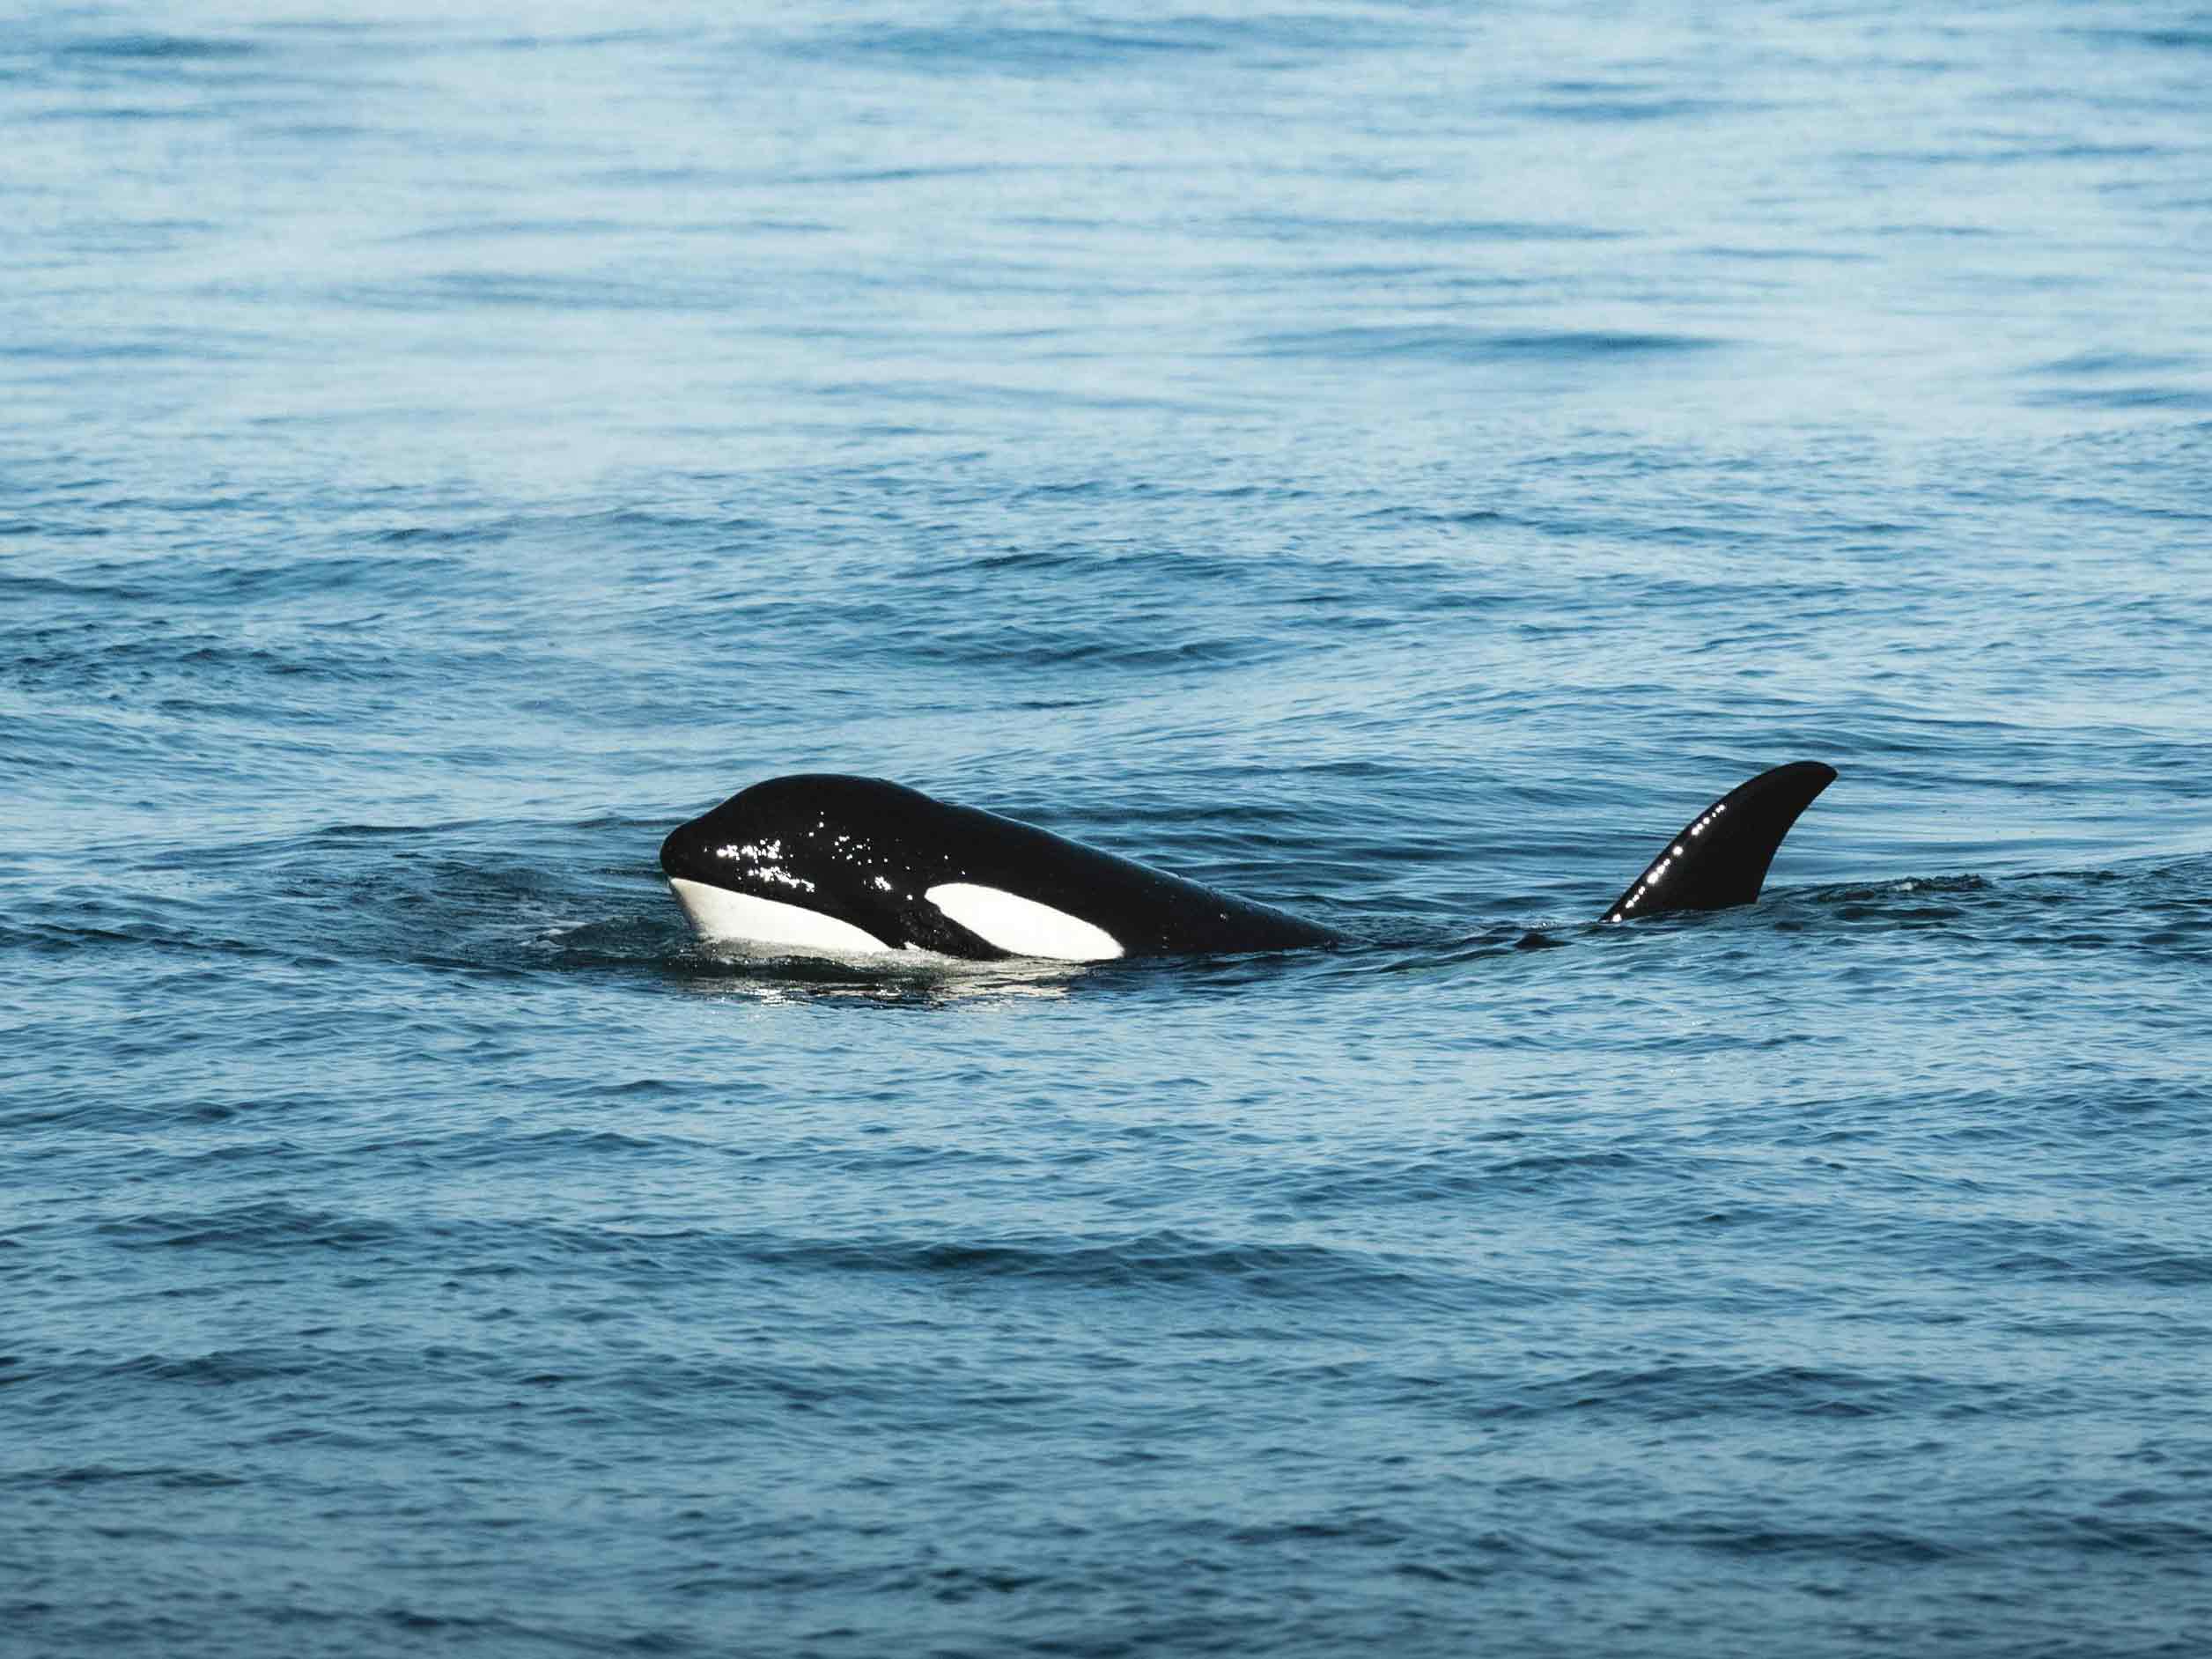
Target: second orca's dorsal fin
1720,857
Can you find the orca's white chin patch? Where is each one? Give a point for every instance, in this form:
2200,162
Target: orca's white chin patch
719,913
1023,926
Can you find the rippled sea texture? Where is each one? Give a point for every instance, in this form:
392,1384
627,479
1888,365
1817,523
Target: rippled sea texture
1397,461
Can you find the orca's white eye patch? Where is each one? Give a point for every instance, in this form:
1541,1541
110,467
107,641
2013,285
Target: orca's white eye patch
1023,926
719,913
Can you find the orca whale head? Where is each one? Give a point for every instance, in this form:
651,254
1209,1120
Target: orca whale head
843,865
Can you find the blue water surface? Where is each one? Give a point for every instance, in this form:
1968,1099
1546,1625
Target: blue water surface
1395,460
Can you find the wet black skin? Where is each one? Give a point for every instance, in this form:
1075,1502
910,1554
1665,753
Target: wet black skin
1720,857
865,851
871,849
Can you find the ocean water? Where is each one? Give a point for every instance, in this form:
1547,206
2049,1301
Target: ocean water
1395,460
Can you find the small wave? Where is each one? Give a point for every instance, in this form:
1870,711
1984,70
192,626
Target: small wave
1164,1260
1627,104
1294,228
2090,362
1907,902
156,49
1446,342
161,1477
1042,51
251,1226
1157,1262
1872,1546
444,291
1665,1392
2124,398
2183,39
1002,50
1474,1173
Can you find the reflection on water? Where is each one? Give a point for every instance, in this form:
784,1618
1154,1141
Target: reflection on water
729,968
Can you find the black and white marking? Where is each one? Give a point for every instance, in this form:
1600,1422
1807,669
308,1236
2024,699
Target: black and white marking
846,865
826,864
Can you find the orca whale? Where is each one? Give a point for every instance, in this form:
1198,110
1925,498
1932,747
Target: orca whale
823,862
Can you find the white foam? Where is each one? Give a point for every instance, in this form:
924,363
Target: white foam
719,913
1023,925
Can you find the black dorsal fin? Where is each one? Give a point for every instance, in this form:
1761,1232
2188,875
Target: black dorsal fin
1720,857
